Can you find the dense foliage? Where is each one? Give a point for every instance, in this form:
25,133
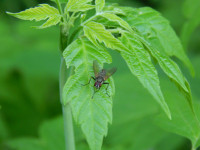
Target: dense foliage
143,38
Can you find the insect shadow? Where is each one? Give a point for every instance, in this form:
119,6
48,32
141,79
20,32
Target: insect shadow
101,75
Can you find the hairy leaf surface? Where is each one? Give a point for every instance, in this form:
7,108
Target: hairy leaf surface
42,12
157,30
139,62
96,31
93,114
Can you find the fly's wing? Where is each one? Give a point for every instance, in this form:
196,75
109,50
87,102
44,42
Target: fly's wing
96,68
109,73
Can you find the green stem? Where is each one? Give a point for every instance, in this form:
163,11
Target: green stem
67,115
60,10
91,18
59,7
193,148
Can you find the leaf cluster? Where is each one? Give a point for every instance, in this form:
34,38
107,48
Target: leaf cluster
139,35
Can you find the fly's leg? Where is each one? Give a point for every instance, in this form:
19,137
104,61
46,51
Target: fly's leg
94,93
107,88
89,81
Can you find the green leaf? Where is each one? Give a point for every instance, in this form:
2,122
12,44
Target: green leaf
183,121
171,69
115,18
133,110
92,114
99,5
139,62
158,32
96,31
114,10
78,5
42,12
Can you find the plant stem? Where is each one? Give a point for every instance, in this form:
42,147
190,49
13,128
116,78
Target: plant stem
86,21
59,7
67,115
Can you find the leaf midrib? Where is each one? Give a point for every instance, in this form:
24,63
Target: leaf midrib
90,104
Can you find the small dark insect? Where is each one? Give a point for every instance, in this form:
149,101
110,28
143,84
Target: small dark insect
101,75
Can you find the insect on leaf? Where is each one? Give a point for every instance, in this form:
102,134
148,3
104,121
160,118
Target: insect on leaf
110,72
93,115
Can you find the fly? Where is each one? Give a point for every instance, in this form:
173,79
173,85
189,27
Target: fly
101,75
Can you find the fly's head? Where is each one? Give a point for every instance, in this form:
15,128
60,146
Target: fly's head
98,83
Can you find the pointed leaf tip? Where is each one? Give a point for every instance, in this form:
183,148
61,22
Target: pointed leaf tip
38,13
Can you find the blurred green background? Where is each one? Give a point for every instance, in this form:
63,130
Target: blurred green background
30,110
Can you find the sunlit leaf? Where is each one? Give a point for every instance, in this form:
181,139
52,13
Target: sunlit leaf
42,12
97,32
92,114
99,5
157,31
114,10
78,5
139,62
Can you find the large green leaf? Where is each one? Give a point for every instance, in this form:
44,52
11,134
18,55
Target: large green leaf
170,68
97,32
157,31
78,5
139,62
92,114
183,121
42,12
